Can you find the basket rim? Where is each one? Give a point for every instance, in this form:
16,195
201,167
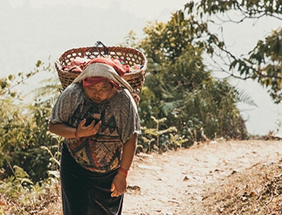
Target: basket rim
75,52
109,47
144,68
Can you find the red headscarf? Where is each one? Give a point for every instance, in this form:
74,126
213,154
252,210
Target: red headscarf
91,81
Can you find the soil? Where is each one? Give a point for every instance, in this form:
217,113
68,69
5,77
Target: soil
175,182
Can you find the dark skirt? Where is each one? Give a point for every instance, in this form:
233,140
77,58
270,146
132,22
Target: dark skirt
85,192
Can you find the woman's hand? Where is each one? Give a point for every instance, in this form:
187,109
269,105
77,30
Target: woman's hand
86,131
118,185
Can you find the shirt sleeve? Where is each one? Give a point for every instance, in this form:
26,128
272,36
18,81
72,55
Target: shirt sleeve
64,106
129,118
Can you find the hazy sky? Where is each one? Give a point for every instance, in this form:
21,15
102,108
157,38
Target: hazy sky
141,8
33,30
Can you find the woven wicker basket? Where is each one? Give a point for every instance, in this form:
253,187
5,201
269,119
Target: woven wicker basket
129,56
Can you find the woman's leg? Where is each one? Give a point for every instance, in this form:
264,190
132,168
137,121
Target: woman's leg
74,193
100,198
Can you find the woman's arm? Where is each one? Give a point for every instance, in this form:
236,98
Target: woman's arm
119,182
66,131
128,152
62,130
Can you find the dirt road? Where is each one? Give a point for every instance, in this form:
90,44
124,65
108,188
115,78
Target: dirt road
174,183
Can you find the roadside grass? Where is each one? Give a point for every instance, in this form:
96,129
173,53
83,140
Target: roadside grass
256,190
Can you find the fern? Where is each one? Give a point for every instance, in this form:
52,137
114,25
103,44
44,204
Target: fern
244,97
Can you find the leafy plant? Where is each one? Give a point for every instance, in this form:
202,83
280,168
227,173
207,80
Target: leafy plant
24,196
176,141
154,134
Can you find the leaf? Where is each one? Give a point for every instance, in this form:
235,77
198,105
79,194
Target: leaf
244,97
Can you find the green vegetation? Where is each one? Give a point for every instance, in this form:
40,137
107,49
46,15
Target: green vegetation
180,88
29,154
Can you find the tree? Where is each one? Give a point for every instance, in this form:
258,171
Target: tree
263,63
7,84
179,87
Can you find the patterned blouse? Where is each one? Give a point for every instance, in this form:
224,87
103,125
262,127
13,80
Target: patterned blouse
101,152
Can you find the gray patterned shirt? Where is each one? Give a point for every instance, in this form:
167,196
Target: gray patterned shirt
101,152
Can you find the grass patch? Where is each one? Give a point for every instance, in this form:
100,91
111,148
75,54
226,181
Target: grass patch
257,190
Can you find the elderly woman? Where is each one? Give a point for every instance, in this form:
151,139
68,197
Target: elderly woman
98,118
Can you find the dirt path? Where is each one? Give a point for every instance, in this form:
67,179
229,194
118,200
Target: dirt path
174,183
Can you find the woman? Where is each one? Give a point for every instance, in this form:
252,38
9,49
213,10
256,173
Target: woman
99,122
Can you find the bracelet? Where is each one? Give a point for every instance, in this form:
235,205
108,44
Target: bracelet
123,171
75,134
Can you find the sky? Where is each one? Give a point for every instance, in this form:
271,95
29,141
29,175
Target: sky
34,30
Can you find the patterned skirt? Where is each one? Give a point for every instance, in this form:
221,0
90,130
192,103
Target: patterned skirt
85,192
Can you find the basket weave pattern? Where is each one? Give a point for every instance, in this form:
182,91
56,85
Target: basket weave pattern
129,56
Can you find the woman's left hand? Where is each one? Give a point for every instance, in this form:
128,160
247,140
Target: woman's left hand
118,185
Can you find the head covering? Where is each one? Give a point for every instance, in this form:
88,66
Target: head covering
121,69
91,81
105,68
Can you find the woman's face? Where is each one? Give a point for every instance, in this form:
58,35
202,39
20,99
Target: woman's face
100,92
